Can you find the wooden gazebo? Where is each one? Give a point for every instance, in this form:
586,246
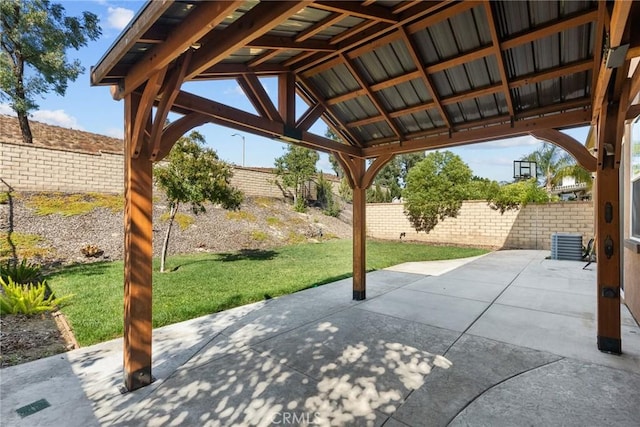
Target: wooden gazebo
388,77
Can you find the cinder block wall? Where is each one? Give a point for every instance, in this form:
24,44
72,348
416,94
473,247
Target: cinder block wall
479,225
34,168
255,182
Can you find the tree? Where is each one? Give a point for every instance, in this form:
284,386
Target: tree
553,164
194,175
517,194
332,159
436,187
34,38
295,168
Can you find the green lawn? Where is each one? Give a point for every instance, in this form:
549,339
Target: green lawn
208,283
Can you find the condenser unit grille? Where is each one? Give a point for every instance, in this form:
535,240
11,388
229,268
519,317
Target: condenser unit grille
566,246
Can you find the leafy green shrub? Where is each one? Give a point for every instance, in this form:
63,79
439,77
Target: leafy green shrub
4,197
23,273
27,299
300,205
515,195
324,190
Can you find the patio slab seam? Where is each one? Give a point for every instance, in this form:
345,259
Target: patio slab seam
488,389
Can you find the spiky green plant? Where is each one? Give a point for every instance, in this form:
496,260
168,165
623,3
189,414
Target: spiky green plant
27,299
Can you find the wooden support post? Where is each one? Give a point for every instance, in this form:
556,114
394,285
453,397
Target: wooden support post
608,232
359,240
137,254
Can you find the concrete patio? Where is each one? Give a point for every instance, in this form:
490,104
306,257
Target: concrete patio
504,339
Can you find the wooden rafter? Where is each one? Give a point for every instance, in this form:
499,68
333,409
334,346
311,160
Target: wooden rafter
310,116
520,127
259,97
569,144
244,121
369,34
372,97
143,116
168,92
618,24
426,79
497,52
253,24
345,133
278,42
287,98
227,70
372,12
320,26
198,23
269,54
174,130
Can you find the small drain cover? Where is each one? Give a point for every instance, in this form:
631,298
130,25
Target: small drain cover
32,408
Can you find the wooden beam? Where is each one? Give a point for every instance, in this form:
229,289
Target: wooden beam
565,70
351,39
372,12
359,227
138,254
597,44
177,129
497,52
200,21
519,127
608,244
320,26
169,91
341,129
374,168
259,97
426,78
226,70
253,24
552,28
372,96
152,11
310,116
287,98
269,54
143,112
279,42
241,120
569,144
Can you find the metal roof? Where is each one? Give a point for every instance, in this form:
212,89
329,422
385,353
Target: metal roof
387,71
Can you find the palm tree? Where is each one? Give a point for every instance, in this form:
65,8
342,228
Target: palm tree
553,164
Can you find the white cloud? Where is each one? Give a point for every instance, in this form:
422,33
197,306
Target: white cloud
119,17
57,118
115,133
6,110
52,117
236,90
519,141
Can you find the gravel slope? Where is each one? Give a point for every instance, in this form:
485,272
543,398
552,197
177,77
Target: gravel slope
260,223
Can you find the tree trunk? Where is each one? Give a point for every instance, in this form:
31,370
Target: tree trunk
27,138
165,244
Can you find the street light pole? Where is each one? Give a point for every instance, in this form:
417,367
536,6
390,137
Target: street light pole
241,136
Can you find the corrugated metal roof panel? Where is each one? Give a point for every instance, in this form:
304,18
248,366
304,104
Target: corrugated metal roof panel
470,110
549,91
519,61
488,105
458,79
546,52
404,95
465,29
336,81
441,83
425,47
525,97
575,43
443,39
385,62
454,113
575,86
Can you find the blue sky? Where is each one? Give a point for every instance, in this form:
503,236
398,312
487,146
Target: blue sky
92,109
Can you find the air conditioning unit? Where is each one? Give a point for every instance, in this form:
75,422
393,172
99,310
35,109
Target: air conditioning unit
566,246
